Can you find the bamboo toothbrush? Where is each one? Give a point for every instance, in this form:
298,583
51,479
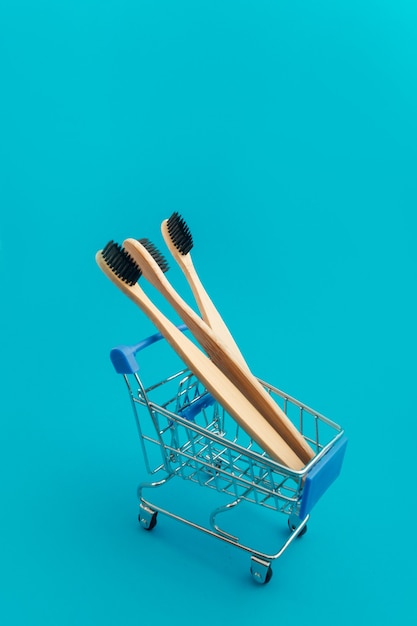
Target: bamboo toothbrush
150,261
122,270
179,241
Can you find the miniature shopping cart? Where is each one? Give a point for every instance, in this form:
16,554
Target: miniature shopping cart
185,433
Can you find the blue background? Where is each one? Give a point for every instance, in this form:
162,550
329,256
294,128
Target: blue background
285,133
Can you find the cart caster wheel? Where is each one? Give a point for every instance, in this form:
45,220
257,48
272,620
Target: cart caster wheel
147,518
261,571
292,526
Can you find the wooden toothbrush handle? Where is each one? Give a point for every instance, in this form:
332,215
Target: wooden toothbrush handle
248,384
207,309
217,383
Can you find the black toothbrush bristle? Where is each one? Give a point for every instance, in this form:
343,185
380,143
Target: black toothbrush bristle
180,233
121,263
155,253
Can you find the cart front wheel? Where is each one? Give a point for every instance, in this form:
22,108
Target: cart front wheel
293,526
261,571
147,519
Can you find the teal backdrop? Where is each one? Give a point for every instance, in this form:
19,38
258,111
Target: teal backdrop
285,133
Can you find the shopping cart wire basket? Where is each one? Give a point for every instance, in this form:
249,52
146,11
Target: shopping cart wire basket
185,433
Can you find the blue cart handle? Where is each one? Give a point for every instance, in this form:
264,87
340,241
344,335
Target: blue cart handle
123,357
